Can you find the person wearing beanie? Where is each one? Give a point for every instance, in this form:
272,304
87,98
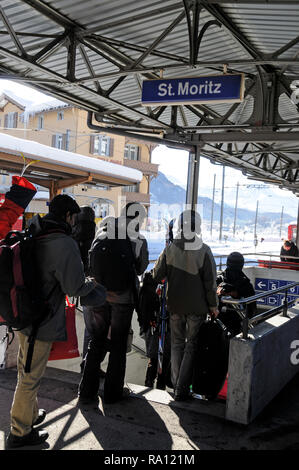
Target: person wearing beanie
83,231
233,282
189,268
60,273
289,249
16,200
113,319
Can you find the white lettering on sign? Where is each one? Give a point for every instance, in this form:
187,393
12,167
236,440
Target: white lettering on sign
185,89
165,90
162,89
204,88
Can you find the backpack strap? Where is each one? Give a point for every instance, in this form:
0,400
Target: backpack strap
31,341
135,290
32,336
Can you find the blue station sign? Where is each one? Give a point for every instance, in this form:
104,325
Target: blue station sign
275,300
215,89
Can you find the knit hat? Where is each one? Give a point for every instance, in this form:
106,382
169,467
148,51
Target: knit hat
190,221
188,227
63,203
235,260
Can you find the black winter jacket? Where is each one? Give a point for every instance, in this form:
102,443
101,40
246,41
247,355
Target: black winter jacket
234,281
84,233
293,251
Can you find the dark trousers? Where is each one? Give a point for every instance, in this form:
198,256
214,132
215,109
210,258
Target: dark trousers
184,330
118,318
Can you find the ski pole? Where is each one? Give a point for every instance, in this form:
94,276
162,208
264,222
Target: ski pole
162,329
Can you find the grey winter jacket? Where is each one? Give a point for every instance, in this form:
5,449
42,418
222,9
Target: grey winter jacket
59,264
191,278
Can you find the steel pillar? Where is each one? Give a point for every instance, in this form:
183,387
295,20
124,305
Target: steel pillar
297,231
192,180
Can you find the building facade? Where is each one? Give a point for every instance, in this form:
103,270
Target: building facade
63,126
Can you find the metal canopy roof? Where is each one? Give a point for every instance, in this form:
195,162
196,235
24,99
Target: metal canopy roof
96,54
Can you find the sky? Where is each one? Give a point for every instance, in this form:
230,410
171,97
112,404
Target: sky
25,92
174,164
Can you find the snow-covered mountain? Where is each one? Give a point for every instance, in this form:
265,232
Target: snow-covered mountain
168,198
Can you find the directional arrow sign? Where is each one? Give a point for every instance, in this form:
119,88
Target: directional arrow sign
261,285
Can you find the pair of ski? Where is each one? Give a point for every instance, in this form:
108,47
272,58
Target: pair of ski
162,327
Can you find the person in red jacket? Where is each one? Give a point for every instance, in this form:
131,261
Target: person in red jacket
16,200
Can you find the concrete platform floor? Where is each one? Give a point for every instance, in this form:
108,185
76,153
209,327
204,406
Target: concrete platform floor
151,420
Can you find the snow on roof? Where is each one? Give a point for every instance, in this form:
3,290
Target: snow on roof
35,108
10,96
29,106
36,151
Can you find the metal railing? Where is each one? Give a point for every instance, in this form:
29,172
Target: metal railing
294,260
241,306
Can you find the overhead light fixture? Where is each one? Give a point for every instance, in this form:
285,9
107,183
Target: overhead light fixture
39,173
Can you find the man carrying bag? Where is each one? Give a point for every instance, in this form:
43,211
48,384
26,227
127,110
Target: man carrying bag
118,254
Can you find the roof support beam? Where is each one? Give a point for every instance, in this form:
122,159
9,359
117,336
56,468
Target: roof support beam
62,79
71,58
286,47
12,32
149,49
142,16
237,136
50,48
195,38
137,47
90,68
51,13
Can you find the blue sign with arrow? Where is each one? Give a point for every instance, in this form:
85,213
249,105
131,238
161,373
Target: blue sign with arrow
216,89
274,300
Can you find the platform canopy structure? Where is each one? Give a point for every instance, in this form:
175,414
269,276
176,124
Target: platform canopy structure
58,169
97,54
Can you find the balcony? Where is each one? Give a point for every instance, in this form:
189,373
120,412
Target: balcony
132,196
146,167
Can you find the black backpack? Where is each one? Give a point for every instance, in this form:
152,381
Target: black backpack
211,358
149,302
112,263
22,304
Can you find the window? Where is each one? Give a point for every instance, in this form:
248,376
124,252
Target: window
60,116
57,141
61,141
11,120
101,145
131,189
40,124
131,152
